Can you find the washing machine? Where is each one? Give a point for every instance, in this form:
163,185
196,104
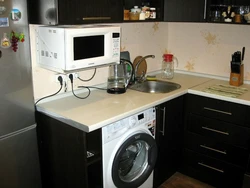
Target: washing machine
129,151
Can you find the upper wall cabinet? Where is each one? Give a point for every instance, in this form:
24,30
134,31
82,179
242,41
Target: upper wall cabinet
216,11
185,10
228,11
66,12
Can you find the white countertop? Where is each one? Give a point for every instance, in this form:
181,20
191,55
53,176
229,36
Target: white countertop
101,108
242,99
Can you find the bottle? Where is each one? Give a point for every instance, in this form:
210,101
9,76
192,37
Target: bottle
152,13
146,11
142,16
168,66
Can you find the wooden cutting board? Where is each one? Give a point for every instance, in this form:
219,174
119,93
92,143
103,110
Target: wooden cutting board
142,69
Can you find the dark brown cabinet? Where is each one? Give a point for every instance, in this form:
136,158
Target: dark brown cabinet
169,134
237,10
216,141
185,10
205,10
65,12
69,157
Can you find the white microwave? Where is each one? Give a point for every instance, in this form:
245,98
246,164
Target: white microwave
72,48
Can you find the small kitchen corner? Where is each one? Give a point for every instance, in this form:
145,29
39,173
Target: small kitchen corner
124,93
97,139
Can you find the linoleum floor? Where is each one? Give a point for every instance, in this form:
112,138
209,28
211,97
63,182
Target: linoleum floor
179,180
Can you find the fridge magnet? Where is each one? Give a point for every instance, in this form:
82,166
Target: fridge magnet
2,9
15,38
4,22
15,15
5,41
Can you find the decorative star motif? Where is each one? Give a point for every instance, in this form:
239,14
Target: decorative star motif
156,26
189,66
210,38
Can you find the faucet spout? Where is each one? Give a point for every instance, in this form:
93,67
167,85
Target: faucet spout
142,77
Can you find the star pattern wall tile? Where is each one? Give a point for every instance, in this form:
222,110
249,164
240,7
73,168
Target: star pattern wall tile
190,66
156,26
210,38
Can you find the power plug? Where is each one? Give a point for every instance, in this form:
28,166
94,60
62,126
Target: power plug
74,75
63,76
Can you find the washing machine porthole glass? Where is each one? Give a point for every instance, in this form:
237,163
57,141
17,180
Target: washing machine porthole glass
134,161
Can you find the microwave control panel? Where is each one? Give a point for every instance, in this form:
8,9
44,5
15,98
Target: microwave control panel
116,44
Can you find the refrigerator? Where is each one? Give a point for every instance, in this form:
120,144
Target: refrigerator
19,159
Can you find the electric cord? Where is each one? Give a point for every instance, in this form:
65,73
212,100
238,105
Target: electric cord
92,87
60,79
72,86
89,78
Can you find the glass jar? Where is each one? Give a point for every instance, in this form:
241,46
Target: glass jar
146,10
168,65
152,13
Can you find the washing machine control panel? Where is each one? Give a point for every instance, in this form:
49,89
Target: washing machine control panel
145,119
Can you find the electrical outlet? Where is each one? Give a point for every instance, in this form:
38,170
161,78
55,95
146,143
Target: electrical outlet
75,75
64,77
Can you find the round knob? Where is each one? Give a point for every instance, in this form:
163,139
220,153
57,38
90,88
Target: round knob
132,121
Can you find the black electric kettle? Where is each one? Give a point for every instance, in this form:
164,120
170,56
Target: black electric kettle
120,75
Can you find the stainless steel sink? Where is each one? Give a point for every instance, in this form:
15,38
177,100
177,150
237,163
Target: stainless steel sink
155,86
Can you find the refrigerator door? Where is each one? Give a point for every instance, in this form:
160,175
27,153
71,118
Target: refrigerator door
19,166
16,92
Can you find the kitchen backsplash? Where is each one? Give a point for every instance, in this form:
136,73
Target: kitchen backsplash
199,47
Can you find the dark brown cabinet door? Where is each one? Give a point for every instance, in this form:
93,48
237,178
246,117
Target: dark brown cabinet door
185,10
169,134
216,141
99,11
69,157
66,12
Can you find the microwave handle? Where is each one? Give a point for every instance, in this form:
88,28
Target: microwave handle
96,18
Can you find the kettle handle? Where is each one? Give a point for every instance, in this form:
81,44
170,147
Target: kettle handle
131,79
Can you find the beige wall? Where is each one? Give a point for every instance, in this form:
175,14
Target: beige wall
199,47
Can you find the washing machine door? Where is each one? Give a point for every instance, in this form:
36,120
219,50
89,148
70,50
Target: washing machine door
134,161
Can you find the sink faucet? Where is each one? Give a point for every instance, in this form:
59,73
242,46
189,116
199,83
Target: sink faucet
142,77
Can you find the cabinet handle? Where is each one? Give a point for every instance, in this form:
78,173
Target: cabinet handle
213,168
212,149
164,121
205,10
214,130
214,110
96,18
